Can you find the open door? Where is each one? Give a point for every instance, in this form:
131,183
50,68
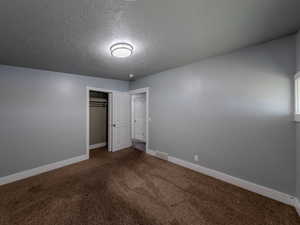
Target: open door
139,117
120,121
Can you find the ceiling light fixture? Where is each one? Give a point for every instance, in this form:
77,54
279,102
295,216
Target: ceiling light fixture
131,75
121,50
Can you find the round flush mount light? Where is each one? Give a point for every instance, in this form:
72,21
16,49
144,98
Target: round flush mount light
121,50
131,75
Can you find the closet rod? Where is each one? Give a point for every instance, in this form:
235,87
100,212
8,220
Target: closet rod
99,102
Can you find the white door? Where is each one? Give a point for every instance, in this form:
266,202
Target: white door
139,117
121,121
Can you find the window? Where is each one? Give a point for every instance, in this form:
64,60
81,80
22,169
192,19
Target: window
297,97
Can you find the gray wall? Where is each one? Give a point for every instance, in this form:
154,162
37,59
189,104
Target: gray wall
43,116
235,111
298,161
298,51
298,127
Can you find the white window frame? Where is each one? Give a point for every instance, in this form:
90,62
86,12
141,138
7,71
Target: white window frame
297,97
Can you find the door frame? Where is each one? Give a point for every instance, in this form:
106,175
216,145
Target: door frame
110,111
142,91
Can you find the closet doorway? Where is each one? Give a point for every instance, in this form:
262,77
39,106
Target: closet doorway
98,120
98,124
116,128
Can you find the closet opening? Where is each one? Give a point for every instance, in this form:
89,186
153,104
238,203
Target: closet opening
98,121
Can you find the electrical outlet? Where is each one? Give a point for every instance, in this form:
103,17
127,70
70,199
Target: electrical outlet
196,158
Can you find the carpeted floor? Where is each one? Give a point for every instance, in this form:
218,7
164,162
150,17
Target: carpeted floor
132,188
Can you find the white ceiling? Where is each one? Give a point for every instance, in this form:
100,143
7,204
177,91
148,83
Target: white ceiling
74,36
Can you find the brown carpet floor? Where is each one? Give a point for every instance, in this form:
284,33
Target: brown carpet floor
131,188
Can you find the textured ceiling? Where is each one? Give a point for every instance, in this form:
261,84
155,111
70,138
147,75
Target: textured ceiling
74,36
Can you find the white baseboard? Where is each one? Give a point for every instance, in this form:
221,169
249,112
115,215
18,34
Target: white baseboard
98,145
297,206
122,147
41,169
267,192
150,152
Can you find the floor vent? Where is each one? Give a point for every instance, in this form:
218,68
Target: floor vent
161,155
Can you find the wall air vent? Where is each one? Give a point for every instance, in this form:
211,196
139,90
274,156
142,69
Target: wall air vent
162,155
